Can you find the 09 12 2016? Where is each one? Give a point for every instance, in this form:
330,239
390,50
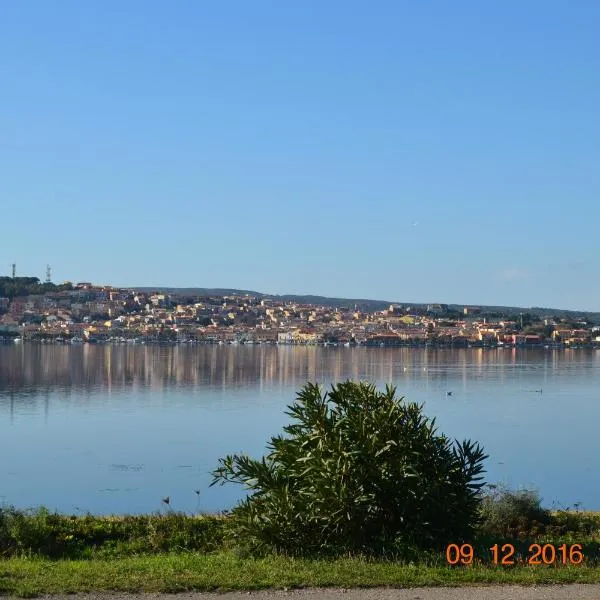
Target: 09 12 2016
505,554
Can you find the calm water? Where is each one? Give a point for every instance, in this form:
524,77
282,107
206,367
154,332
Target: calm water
113,429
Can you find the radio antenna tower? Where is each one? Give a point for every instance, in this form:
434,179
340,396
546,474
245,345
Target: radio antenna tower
14,270
48,274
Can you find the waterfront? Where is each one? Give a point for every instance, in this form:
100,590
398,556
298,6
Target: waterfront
116,428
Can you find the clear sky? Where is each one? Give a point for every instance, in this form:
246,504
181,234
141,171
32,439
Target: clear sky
427,151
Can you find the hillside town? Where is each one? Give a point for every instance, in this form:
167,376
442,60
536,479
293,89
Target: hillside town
88,313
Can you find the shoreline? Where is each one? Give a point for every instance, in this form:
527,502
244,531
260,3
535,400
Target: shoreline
421,346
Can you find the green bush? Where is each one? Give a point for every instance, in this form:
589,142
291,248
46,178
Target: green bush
513,514
357,471
578,524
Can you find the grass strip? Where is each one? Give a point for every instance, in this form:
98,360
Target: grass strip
29,577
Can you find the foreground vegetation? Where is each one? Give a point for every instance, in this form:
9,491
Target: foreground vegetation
506,517
46,553
361,490
226,571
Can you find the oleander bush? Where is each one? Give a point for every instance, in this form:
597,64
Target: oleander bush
357,471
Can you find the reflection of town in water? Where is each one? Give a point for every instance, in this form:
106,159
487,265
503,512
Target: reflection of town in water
34,368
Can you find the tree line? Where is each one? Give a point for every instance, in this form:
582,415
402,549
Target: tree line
28,286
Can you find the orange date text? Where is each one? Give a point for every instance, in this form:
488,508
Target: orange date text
506,555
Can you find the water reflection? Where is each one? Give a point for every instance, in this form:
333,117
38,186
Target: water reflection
37,368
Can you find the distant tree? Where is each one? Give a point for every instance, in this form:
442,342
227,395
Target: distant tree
547,331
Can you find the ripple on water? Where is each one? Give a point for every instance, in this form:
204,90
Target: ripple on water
126,468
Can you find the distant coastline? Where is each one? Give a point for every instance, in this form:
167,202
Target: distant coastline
76,313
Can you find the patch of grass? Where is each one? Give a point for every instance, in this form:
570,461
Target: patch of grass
53,535
57,536
225,571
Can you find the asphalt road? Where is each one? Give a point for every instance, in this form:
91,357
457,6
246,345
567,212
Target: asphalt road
508,592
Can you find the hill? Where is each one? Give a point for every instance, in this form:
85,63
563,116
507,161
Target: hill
373,305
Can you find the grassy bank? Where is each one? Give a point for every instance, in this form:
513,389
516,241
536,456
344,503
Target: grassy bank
515,518
225,571
43,534
51,553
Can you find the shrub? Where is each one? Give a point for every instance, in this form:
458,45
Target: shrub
576,523
515,514
357,471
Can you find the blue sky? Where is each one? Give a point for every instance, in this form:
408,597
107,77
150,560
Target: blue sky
409,151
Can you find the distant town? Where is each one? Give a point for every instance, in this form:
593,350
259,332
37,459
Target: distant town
86,313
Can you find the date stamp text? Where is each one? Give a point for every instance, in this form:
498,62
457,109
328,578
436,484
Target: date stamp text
506,555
